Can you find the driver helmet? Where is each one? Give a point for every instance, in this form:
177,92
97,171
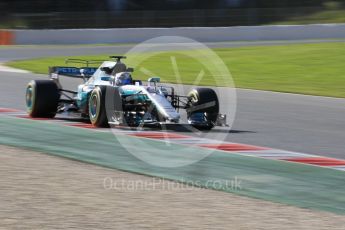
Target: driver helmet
123,78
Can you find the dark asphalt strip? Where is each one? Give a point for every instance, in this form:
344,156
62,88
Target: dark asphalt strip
298,123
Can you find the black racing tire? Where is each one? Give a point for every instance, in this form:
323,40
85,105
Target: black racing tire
97,107
42,98
202,96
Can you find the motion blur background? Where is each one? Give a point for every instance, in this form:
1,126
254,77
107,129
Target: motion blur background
40,14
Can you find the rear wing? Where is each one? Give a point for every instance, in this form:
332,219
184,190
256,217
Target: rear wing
68,71
76,72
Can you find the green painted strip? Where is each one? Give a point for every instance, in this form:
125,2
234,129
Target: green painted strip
295,184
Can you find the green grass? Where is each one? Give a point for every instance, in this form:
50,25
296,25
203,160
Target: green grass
315,69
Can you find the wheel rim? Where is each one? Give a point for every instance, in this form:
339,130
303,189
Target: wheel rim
29,97
193,97
93,106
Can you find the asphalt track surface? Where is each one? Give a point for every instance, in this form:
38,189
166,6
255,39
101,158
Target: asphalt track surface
286,121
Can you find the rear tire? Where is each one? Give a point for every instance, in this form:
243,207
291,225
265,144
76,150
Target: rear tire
42,98
209,98
97,108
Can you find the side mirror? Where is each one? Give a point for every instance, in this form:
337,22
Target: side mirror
154,79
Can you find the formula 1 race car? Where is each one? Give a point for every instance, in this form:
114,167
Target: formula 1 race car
109,96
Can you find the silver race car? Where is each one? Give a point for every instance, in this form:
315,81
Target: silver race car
109,96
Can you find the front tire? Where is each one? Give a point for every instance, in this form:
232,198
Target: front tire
204,104
42,98
97,109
